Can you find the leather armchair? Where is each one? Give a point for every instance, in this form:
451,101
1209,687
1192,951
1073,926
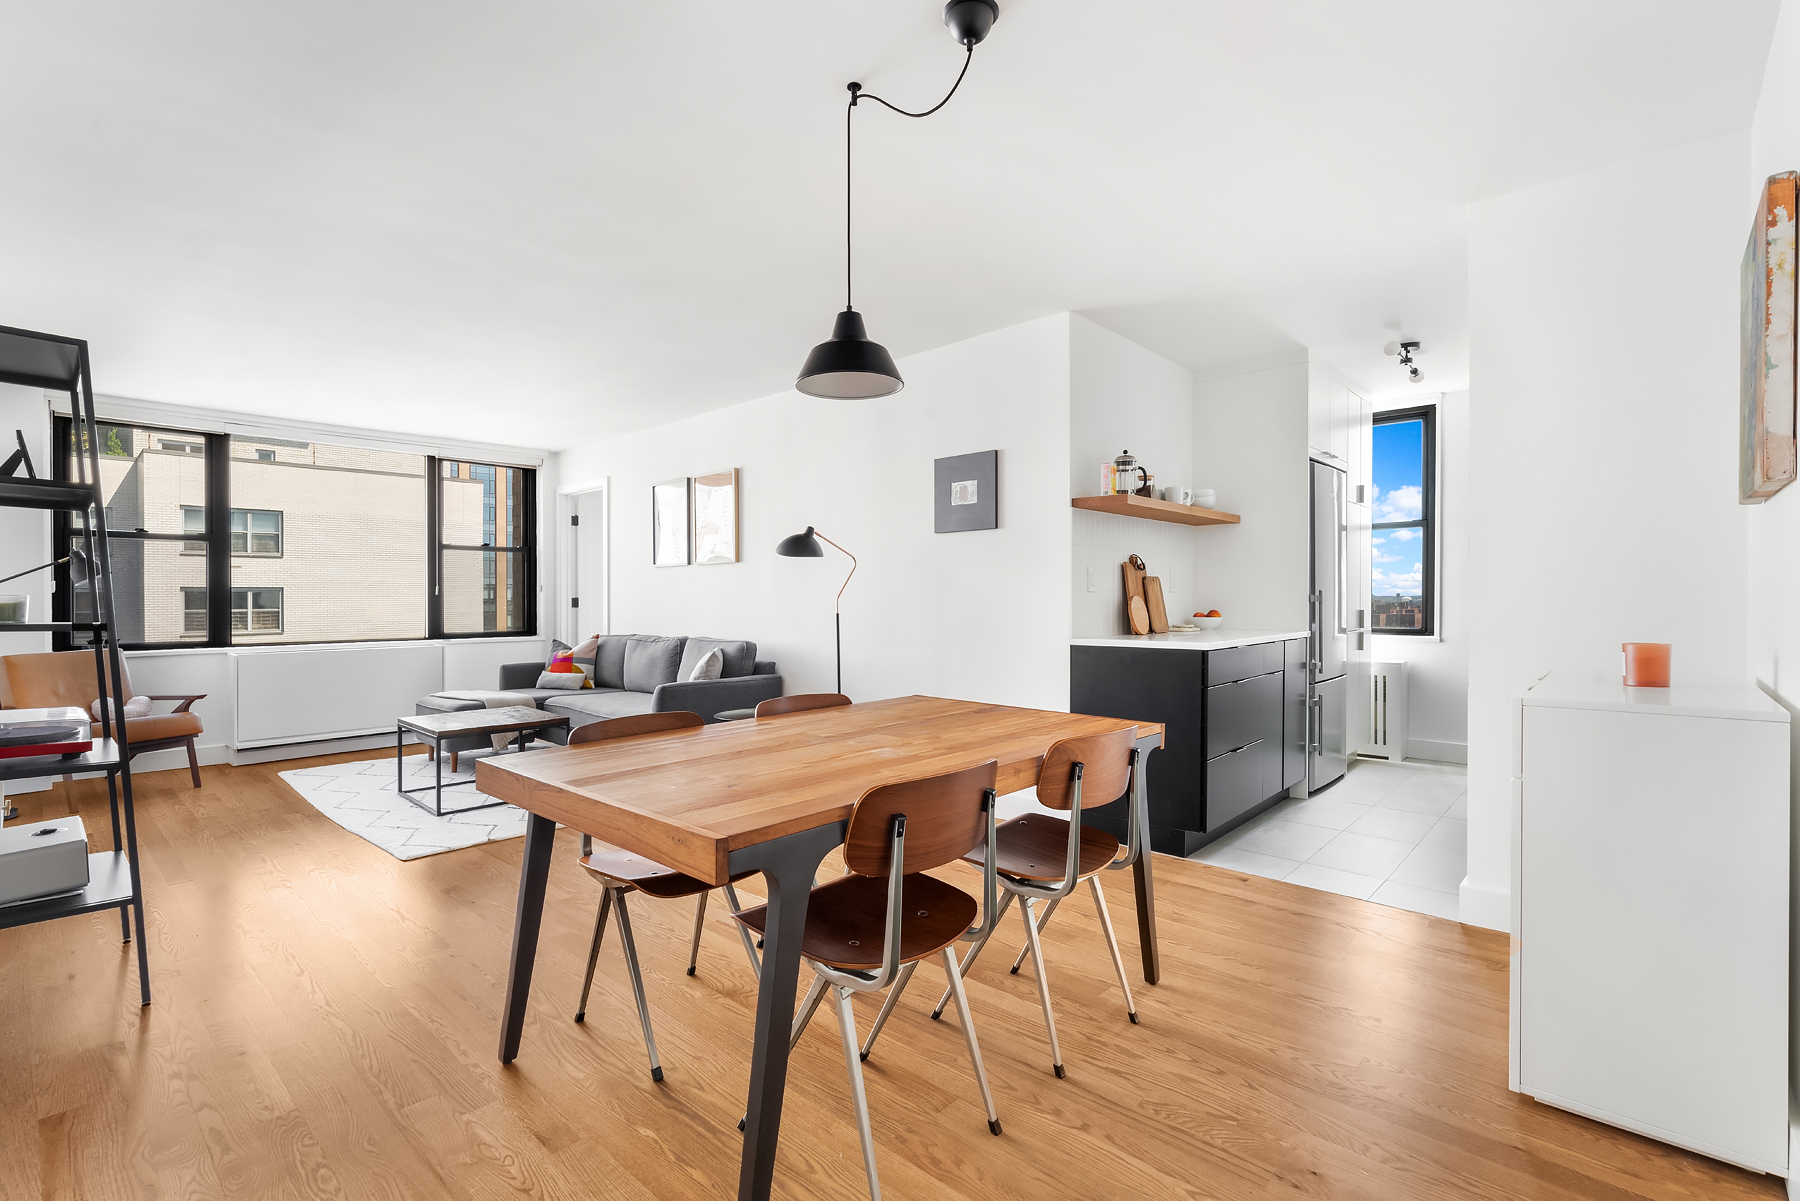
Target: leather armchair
68,678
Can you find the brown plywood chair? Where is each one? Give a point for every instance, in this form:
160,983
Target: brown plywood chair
868,930
48,681
620,872
800,703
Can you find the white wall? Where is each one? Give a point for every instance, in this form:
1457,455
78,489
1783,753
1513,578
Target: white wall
1603,440
1437,669
1774,525
1250,447
1123,397
981,614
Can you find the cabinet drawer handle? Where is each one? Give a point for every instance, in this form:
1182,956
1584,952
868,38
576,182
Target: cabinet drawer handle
1239,751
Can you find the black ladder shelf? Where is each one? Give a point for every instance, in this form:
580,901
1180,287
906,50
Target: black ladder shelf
115,880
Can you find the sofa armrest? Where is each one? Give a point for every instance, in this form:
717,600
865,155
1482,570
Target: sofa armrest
514,676
186,701
711,697
765,667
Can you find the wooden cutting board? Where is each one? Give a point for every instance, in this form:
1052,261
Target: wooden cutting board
1153,601
1138,614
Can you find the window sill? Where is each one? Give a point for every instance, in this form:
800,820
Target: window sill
1408,637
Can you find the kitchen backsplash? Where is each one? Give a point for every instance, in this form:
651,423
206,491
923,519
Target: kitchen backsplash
1102,541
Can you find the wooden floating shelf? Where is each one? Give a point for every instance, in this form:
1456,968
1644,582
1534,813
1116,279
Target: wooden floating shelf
1154,510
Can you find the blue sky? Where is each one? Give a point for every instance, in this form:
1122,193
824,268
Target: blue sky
1398,566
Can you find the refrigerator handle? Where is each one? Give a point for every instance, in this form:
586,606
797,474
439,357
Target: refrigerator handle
1315,720
1314,604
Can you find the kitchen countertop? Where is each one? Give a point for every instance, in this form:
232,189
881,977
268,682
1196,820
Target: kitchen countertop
1198,640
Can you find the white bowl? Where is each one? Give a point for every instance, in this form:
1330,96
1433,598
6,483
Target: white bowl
1207,623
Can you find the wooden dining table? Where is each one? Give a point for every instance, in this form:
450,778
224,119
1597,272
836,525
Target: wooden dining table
772,795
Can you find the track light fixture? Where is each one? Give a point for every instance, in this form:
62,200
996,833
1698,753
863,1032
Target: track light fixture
1406,350
850,366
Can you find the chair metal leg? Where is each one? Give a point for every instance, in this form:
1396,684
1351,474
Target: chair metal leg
847,1028
637,986
887,1006
968,1025
737,906
969,959
1042,922
1112,944
587,981
1043,983
699,920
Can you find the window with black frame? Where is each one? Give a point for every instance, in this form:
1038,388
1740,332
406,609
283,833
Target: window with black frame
1404,540
229,540
486,548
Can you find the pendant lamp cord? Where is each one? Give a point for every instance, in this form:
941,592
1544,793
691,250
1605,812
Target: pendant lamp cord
856,93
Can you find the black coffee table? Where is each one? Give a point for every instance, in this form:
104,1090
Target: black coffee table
434,728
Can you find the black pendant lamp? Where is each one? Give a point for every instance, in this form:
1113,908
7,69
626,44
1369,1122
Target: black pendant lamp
849,366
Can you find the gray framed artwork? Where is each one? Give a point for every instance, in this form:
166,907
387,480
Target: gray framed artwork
716,517
669,528
966,493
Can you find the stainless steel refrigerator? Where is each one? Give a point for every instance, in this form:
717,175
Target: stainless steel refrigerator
1328,685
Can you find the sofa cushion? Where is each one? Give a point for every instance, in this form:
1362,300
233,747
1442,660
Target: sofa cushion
609,661
740,656
651,660
709,666
583,707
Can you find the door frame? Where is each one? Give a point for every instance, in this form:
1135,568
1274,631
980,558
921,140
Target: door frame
568,498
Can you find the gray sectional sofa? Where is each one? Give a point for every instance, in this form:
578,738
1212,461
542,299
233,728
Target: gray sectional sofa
647,673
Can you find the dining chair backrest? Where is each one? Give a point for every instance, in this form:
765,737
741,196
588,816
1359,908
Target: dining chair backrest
945,819
800,703
1105,769
637,723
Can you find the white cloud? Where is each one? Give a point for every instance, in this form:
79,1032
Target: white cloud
1402,535
1404,583
1379,558
1402,504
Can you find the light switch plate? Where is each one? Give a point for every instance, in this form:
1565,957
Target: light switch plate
1090,572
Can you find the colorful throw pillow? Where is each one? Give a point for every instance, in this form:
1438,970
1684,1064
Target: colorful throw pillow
565,661
563,681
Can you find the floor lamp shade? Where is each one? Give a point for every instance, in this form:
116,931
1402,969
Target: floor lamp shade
849,366
800,546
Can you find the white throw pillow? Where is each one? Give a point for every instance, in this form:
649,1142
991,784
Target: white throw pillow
137,706
565,681
711,667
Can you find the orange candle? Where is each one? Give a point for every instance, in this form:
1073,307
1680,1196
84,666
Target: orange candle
1646,664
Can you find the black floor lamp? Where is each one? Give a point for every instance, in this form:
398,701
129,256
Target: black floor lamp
806,546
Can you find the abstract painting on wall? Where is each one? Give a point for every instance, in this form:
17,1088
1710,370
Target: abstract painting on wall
716,517
1768,310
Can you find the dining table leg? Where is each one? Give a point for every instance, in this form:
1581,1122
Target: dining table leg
534,878
788,865
1140,871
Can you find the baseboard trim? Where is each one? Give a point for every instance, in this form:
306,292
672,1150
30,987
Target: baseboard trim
1490,908
1437,752
275,753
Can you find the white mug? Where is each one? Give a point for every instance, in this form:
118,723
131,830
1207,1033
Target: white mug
1206,498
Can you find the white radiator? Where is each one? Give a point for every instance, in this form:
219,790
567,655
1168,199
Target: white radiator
1387,712
317,692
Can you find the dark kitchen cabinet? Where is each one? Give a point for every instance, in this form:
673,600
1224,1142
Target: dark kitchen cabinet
1225,716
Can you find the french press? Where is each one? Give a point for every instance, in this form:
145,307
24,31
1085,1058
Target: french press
1124,468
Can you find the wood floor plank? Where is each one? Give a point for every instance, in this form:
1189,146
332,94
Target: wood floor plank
326,1016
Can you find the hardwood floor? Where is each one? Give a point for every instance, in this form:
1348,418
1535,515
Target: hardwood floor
326,1020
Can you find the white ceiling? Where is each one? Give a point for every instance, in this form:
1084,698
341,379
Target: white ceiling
540,223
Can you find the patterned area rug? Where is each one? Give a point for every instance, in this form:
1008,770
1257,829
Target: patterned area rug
360,796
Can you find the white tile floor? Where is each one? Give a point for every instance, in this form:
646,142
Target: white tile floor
1396,834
